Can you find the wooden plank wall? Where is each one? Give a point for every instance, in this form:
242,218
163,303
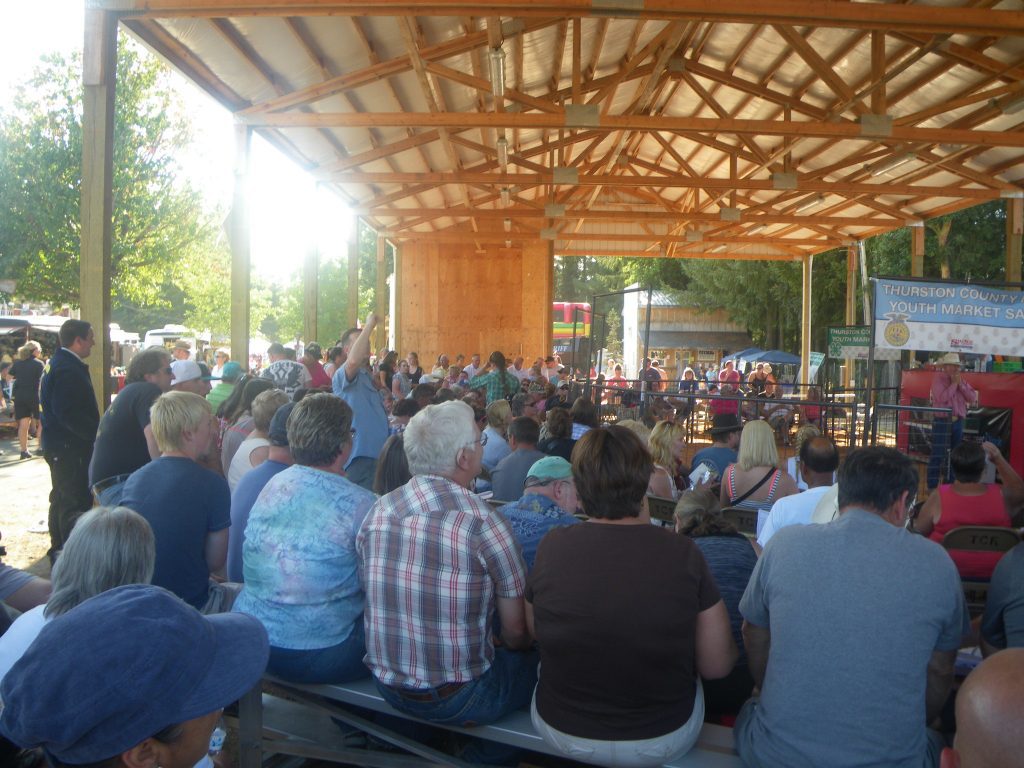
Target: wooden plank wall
454,299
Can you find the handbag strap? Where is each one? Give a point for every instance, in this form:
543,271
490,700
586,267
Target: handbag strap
748,494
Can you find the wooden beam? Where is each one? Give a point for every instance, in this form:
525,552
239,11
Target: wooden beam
807,297
629,216
677,254
911,18
240,249
881,188
917,251
638,122
99,73
1014,235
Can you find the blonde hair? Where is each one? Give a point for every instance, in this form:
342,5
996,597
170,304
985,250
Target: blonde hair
638,428
25,350
499,414
265,406
174,413
660,442
757,446
805,433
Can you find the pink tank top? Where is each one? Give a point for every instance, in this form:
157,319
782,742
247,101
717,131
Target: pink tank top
957,511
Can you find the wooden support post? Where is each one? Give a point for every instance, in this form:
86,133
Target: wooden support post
380,304
805,321
396,299
353,278
99,74
917,251
1014,232
240,249
310,279
851,305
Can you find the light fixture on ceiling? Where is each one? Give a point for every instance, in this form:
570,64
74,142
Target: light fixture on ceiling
508,225
1011,105
496,57
894,162
755,229
506,196
503,153
810,203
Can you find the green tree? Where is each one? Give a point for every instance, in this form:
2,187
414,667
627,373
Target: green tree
161,231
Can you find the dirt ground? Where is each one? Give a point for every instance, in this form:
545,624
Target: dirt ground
25,498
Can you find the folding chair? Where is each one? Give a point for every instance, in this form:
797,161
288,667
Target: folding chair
745,520
662,509
979,538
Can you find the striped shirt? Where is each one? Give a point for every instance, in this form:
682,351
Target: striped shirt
434,556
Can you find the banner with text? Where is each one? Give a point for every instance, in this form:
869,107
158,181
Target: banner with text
851,342
948,317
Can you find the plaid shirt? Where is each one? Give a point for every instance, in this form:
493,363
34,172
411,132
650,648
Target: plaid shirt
492,383
433,557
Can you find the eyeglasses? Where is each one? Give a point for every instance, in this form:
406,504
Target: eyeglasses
483,439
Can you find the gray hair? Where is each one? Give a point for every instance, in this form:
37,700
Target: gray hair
435,435
108,547
265,406
318,429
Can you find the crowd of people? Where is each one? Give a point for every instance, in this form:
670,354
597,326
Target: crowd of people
327,520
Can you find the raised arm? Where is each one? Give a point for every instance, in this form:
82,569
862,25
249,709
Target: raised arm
359,352
1013,485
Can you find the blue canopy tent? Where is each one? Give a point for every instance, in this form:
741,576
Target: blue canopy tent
774,357
744,354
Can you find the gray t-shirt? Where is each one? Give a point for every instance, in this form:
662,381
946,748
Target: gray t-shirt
509,477
856,608
1003,624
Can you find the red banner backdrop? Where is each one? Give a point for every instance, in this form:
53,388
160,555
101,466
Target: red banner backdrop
995,390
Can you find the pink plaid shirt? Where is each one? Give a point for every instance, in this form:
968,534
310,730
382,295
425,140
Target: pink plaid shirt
433,558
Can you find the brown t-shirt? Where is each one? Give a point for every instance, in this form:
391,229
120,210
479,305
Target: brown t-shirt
615,609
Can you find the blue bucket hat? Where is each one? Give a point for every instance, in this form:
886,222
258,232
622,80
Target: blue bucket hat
122,666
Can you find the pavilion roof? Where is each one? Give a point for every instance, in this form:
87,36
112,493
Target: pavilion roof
733,129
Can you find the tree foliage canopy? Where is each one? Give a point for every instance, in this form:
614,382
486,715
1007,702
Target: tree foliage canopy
163,235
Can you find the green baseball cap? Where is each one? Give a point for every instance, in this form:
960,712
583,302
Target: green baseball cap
547,470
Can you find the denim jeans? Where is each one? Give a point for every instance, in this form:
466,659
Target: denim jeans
108,492
341,663
946,436
505,687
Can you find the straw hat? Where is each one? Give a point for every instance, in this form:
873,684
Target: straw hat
950,358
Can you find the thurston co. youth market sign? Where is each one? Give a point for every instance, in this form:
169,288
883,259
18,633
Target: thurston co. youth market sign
948,317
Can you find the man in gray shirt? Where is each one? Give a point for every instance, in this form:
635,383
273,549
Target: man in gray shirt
851,630
509,477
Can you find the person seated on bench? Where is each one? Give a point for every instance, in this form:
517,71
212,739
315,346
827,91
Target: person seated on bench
1002,625
187,505
990,715
436,562
509,476
968,501
755,481
731,558
107,548
851,631
130,677
548,501
627,616
299,556
819,459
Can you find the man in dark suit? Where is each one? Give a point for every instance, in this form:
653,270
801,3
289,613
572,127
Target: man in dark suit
70,418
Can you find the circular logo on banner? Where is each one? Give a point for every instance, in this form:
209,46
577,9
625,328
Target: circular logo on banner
896,331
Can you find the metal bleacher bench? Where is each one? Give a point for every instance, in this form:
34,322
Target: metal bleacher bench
714,749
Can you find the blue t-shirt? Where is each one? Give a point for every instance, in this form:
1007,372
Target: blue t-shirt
716,457
369,419
242,499
183,502
530,518
731,559
855,608
300,562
